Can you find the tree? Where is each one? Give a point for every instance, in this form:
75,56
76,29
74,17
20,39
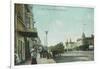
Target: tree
57,49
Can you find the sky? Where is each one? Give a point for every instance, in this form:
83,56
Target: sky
63,22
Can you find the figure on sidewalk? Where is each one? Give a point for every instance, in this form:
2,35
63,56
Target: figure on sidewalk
33,55
39,52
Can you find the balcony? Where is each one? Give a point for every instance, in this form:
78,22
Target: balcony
29,33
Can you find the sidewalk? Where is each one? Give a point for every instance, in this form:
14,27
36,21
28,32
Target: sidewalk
45,61
40,61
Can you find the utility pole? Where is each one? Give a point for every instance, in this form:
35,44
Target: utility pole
46,43
46,32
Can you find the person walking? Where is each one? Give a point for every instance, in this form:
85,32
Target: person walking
33,56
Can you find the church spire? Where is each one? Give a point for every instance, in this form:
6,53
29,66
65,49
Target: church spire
83,35
70,40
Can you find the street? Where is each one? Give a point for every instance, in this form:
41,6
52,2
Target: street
75,56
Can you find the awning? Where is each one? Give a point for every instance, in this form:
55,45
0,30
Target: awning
29,34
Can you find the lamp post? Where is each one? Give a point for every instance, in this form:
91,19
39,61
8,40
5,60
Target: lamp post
46,43
46,32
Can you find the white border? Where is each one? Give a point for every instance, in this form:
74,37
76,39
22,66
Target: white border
46,2
12,36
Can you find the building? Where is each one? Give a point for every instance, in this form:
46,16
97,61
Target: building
86,43
83,43
70,46
24,32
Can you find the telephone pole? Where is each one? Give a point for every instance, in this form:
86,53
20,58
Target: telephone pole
46,32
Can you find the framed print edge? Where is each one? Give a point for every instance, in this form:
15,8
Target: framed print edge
12,26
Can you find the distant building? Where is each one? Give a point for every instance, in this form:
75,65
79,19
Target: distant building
86,41
70,46
83,43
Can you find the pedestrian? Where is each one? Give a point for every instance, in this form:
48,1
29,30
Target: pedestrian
33,56
40,51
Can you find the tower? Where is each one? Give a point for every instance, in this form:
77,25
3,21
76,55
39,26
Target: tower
83,35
